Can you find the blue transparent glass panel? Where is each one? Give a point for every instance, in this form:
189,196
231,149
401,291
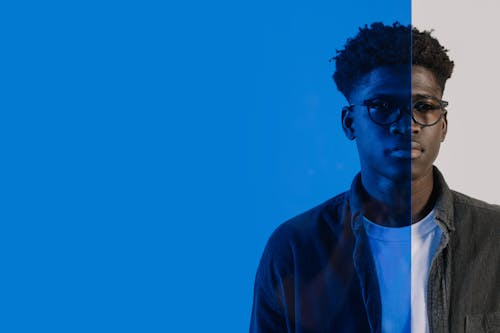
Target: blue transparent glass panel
150,148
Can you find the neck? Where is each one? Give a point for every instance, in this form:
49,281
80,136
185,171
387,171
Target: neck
422,196
385,201
397,204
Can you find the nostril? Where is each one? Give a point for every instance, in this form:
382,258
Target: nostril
403,126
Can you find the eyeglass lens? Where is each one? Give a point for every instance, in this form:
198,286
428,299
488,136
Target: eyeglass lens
425,111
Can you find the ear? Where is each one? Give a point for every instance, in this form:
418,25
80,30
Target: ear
444,127
347,122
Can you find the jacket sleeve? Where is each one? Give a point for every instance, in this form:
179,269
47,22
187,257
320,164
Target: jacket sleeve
267,313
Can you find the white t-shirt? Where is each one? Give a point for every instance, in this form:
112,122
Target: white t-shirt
402,260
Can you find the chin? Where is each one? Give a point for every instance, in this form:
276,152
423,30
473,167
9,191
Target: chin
418,170
400,174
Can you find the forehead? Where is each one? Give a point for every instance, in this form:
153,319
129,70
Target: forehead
424,82
398,81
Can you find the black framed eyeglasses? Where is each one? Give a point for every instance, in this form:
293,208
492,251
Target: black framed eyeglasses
426,111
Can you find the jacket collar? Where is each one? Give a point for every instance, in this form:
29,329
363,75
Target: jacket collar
362,258
443,208
356,203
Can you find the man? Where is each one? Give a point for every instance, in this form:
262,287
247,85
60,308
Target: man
399,251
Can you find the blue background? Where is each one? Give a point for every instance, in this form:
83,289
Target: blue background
150,148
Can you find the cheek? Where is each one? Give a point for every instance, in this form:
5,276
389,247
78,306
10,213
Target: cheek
444,129
435,149
369,131
372,142
434,139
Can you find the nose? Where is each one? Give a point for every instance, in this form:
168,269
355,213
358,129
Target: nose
415,128
404,125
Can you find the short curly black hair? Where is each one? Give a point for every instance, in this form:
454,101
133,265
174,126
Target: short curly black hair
383,45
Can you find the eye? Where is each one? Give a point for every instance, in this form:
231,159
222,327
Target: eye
426,106
378,105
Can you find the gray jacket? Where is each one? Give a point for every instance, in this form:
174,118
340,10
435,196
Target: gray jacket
464,280
317,272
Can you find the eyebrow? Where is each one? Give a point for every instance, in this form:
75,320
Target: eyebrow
392,97
388,96
422,96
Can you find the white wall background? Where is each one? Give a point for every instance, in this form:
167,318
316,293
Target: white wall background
470,155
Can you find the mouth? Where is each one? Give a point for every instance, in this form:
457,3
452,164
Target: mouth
416,150
412,152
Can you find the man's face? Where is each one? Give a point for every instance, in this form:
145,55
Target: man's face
425,140
394,151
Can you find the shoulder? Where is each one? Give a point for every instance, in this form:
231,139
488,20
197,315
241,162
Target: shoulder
476,217
464,202
303,234
304,226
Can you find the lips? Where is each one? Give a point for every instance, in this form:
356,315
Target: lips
404,151
416,145
416,150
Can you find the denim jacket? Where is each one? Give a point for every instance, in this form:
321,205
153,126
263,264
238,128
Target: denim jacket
317,273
